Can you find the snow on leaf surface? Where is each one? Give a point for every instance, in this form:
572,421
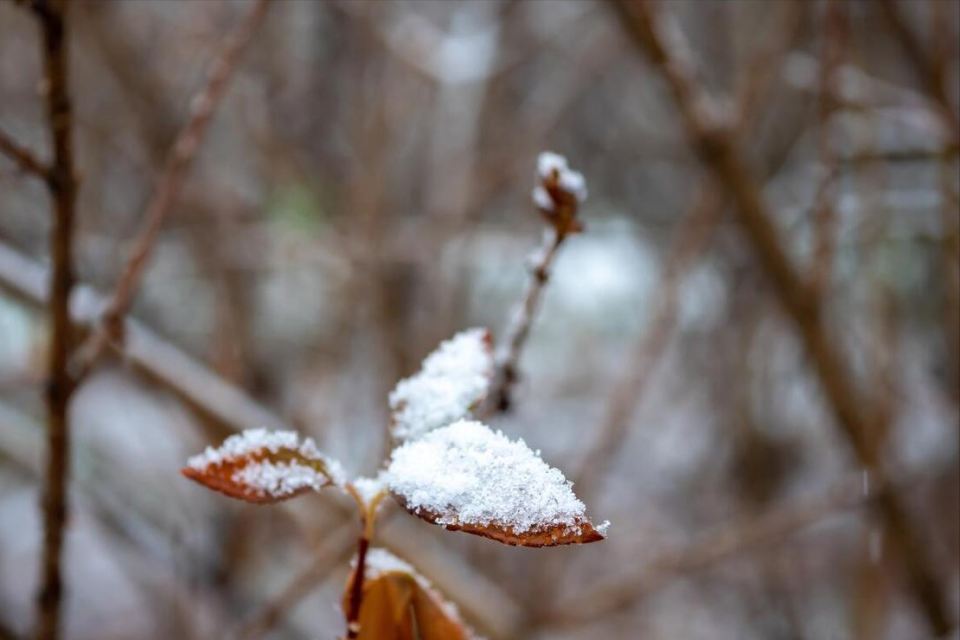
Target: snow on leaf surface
466,477
454,379
399,603
264,466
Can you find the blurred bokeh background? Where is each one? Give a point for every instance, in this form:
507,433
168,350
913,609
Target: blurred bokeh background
364,192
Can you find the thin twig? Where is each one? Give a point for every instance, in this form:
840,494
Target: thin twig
23,157
824,202
507,359
178,163
930,73
713,141
60,386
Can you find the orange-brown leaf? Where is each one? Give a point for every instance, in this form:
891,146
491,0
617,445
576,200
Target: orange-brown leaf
582,532
263,468
398,604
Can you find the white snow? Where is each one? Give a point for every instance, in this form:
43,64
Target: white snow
452,381
280,479
380,561
368,488
269,477
550,163
467,474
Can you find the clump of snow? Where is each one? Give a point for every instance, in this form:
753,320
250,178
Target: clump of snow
550,164
279,479
380,561
268,476
467,474
453,379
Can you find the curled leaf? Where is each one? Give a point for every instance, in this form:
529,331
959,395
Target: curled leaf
465,477
264,467
452,382
400,604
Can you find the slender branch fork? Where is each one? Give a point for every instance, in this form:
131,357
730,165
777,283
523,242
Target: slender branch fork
713,140
62,185
178,163
23,157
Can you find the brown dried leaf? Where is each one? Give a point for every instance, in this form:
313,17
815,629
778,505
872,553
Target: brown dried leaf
263,468
398,604
582,532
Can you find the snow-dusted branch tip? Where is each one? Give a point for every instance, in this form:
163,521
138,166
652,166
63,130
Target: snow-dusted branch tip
558,192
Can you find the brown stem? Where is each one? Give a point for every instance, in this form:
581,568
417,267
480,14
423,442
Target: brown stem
717,148
60,386
178,163
356,588
23,157
508,355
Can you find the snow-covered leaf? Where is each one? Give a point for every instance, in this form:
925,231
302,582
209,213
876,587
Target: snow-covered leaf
400,604
453,381
264,467
465,477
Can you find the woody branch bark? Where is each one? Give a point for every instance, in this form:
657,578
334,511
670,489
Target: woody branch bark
717,148
62,185
175,170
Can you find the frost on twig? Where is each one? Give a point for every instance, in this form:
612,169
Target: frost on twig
453,381
264,467
399,603
465,477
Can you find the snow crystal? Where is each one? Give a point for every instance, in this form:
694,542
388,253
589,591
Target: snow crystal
453,379
264,474
467,474
548,164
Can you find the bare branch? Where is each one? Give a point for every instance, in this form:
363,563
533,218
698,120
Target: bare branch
178,163
712,139
62,184
508,354
23,157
